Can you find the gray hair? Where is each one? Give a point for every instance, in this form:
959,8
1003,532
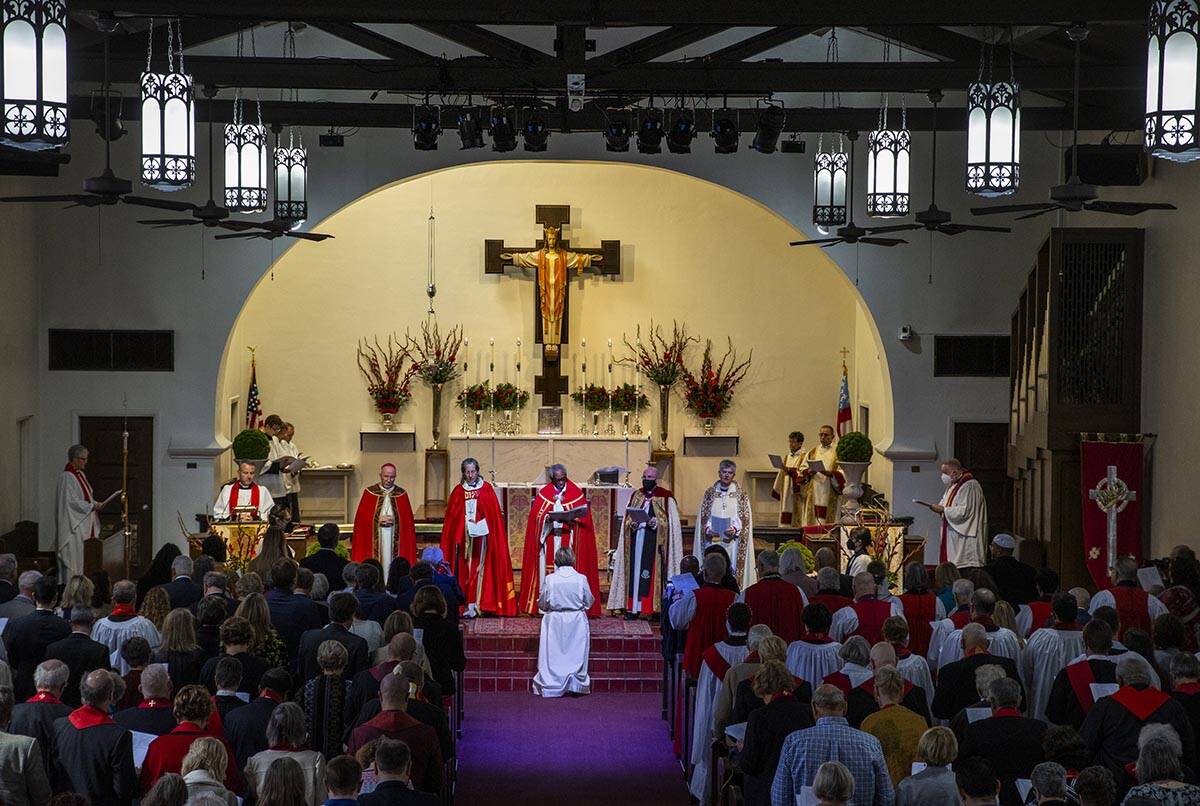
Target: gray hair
1049,780
75,451
856,650
51,674
769,559
83,616
124,592
727,464
755,636
825,558
974,634
319,590
1159,752
96,688
286,725
8,566
348,573
216,579
963,588
1133,671
829,698
791,560
156,681
182,566
828,579
834,782
1126,568
28,579
1083,597
207,799
714,567
332,656
1184,666
564,556
556,467
1005,693
985,675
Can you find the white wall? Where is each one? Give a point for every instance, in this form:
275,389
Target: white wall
113,273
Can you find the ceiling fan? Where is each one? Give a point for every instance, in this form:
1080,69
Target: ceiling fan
851,233
932,218
275,228
1076,195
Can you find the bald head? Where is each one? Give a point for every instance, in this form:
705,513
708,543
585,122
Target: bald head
974,636
864,585
393,692
882,654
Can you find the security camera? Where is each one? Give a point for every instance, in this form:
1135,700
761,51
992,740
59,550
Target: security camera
905,333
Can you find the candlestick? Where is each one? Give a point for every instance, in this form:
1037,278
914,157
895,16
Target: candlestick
518,359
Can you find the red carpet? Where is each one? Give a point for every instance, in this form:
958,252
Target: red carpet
598,750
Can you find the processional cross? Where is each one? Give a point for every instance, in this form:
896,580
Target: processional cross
1112,496
553,260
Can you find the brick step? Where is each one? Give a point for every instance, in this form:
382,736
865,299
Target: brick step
626,666
505,643
600,684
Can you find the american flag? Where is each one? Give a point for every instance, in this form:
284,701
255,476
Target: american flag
254,408
844,417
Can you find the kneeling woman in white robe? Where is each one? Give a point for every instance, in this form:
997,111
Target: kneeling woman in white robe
566,637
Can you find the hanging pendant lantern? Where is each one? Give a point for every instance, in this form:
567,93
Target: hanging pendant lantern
829,186
245,165
33,74
888,153
168,120
291,183
993,133
1172,64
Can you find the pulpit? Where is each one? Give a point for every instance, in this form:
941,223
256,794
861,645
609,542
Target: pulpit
241,540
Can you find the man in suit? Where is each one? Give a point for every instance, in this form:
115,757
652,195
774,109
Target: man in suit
421,708
23,778
291,614
8,577
236,637
182,591
28,636
1011,743
79,652
305,581
393,722
326,560
216,583
1015,580
246,727
956,681
155,714
393,763
342,607
228,679
21,604
36,717
94,754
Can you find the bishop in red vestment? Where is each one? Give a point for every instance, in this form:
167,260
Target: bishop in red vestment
545,534
475,543
383,523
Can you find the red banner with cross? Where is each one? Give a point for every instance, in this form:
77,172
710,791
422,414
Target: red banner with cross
1111,478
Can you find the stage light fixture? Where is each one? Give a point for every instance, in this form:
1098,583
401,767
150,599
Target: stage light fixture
535,132
771,120
682,132
470,128
650,131
33,75
616,130
502,129
725,131
426,128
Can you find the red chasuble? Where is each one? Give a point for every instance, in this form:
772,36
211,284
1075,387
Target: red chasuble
492,580
920,609
777,603
1132,608
871,614
580,536
365,542
707,627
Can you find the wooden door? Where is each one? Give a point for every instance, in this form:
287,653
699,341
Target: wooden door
103,438
982,448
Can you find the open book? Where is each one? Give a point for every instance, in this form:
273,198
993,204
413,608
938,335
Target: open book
569,515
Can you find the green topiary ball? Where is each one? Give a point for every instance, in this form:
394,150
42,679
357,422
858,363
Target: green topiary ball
854,447
251,444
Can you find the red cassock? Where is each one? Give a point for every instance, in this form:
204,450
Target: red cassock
777,603
365,541
580,536
488,581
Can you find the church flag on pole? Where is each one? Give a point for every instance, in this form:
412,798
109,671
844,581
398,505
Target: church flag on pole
254,407
844,418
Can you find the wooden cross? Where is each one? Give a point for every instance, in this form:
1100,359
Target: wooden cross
552,384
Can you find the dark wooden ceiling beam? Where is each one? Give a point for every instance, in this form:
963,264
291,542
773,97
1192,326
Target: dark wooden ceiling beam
487,42
370,40
762,42
655,45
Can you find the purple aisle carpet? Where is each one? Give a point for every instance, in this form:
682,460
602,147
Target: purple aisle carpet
599,749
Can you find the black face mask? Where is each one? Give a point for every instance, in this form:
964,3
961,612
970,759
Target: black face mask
649,484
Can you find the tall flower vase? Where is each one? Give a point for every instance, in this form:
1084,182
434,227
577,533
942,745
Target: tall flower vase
595,423
478,422
853,490
664,414
437,415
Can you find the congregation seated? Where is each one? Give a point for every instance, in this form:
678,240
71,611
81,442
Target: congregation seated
781,714
775,602
79,652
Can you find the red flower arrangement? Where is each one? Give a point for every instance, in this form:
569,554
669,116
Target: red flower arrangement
627,398
660,359
388,381
507,397
592,397
475,397
709,392
434,357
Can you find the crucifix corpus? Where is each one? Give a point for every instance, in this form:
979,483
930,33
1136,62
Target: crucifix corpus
1112,496
553,260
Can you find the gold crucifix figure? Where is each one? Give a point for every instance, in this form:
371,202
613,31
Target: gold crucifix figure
553,264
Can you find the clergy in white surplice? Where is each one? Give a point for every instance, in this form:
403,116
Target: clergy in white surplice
912,666
717,660
821,481
964,517
814,656
243,497
1001,640
1048,652
76,514
563,647
787,488
725,519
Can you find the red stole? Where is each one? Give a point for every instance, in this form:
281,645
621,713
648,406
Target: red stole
707,626
1141,703
963,479
124,609
841,680
45,696
919,610
581,537
777,603
1189,689
1081,676
716,662
86,716
833,601
960,618
1133,608
1005,713
871,614
85,487
233,496
1040,611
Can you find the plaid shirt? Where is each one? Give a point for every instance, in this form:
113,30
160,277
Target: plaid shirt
832,739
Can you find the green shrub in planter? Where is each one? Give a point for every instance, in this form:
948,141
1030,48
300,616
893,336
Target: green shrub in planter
854,447
252,445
